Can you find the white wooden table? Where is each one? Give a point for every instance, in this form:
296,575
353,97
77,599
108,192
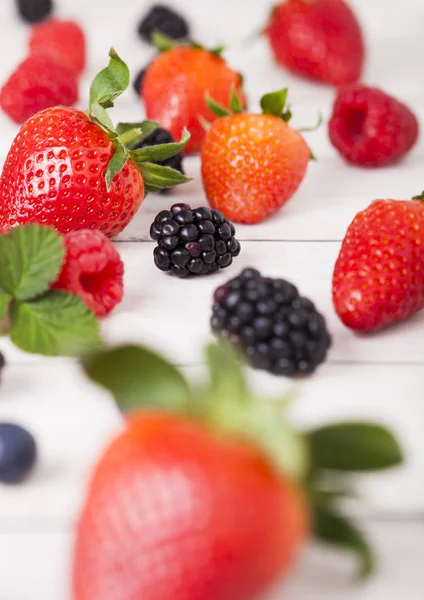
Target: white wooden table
379,377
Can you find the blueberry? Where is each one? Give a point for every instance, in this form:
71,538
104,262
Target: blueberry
18,453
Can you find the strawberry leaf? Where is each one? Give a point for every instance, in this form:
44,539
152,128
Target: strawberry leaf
56,324
116,163
5,300
334,529
274,103
218,109
236,105
110,83
137,377
147,127
30,259
159,176
353,447
100,116
162,42
160,152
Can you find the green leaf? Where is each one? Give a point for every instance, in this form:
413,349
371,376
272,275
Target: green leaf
274,103
110,83
334,529
56,324
217,109
99,114
162,42
138,377
236,105
218,51
31,258
419,197
354,447
147,127
228,382
5,300
116,163
160,152
161,177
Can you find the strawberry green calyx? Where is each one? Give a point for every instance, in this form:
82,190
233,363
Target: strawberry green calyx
320,460
274,104
107,86
419,197
164,43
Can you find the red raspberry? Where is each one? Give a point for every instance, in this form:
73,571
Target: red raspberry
370,128
64,41
38,83
93,270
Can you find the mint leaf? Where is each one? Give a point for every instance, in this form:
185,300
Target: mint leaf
110,83
138,377
334,529
31,258
274,103
160,152
4,304
116,163
217,109
58,323
159,176
353,447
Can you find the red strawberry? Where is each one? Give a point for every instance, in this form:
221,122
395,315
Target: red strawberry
370,128
252,164
64,41
72,171
174,88
176,513
379,274
93,270
321,39
38,83
211,506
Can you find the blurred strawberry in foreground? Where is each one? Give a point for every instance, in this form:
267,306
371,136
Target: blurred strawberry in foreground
175,84
71,170
63,41
210,494
379,275
252,164
38,83
320,39
370,128
93,270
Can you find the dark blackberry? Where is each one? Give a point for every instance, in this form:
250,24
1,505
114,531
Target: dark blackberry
2,362
163,136
35,10
18,453
184,248
163,19
139,80
278,330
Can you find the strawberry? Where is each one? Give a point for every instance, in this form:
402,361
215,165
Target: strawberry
216,505
70,170
370,128
38,83
175,84
319,39
252,164
378,277
64,41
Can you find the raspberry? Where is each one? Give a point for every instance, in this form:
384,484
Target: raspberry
18,453
278,330
370,128
38,83
63,41
35,10
193,242
163,20
163,136
93,270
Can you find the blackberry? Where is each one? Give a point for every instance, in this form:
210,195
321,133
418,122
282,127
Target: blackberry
163,136
35,10
164,20
139,80
278,330
193,242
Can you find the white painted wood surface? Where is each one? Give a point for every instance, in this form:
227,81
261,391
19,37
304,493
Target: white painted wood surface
376,377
